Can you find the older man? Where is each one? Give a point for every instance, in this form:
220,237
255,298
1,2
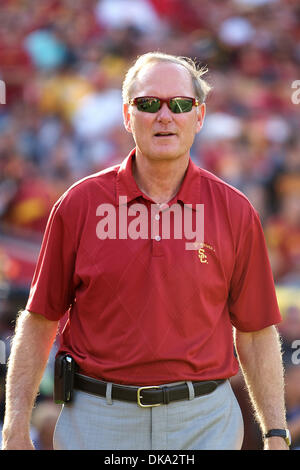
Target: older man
150,313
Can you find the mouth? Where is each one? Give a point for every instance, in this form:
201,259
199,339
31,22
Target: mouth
164,134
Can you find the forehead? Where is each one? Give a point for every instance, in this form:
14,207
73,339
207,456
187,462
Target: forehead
163,79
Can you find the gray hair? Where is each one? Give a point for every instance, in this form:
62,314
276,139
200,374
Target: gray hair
201,87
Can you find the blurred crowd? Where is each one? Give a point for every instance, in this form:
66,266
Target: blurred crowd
63,62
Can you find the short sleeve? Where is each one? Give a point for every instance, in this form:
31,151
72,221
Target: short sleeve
252,299
52,290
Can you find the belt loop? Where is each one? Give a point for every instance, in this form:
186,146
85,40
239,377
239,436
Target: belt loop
108,393
166,395
191,390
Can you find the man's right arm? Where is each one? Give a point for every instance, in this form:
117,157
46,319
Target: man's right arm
30,350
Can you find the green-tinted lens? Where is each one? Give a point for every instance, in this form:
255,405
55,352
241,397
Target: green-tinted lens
181,105
148,105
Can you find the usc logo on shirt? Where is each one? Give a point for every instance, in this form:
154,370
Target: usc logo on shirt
202,256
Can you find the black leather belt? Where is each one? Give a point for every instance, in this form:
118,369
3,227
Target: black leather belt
144,396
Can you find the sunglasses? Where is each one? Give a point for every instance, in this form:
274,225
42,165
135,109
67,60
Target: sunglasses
152,104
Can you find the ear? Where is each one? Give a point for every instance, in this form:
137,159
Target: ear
127,117
201,110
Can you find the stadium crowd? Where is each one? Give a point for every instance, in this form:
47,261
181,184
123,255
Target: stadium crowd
63,62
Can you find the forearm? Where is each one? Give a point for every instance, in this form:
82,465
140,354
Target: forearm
260,359
31,345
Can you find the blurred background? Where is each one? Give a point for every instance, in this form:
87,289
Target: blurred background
63,62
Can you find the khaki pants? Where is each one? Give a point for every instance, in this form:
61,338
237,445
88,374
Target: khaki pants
211,422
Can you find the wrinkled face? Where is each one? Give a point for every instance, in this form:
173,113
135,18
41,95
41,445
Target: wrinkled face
163,135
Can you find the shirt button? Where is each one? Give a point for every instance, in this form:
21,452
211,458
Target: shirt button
157,216
158,238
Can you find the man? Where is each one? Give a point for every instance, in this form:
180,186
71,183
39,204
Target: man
150,319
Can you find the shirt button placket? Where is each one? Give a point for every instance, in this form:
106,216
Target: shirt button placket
156,237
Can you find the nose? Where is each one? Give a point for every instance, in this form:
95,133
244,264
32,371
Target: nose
164,114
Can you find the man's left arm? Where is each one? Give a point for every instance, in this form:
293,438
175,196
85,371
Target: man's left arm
259,354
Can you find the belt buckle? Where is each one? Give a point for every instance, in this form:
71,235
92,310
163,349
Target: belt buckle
139,397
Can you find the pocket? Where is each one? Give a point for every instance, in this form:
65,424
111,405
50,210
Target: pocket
57,444
238,418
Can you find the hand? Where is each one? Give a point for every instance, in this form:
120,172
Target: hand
275,443
17,443
18,446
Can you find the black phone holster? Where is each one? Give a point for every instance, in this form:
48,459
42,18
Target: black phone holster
64,372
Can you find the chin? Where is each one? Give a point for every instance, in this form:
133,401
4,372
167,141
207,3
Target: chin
165,154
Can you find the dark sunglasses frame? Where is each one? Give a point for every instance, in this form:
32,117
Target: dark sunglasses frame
135,102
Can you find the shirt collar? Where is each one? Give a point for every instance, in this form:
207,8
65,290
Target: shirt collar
126,185
188,193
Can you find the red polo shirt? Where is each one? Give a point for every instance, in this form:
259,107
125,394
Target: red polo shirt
148,311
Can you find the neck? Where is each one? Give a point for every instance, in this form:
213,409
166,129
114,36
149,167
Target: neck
159,180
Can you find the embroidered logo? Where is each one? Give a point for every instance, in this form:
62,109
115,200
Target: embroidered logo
202,256
202,253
